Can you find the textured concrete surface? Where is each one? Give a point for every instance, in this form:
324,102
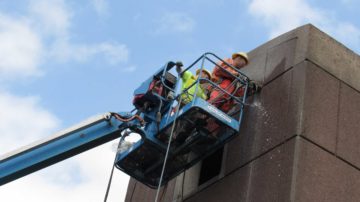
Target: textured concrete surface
349,125
320,110
300,137
322,176
334,57
140,192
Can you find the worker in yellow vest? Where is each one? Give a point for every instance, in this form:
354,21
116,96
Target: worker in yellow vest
189,79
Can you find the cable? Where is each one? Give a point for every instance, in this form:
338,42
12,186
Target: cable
123,119
109,182
132,193
112,170
167,151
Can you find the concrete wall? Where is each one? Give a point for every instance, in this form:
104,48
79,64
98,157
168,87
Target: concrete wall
299,140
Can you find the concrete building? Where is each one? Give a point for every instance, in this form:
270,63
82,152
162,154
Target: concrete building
300,138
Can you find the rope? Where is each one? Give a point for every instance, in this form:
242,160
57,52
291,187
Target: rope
183,182
170,138
112,170
167,151
109,182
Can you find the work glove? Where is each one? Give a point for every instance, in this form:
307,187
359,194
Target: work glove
240,76
179,64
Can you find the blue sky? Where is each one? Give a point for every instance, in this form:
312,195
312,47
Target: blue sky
63,61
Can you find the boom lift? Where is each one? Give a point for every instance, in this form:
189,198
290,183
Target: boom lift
172,139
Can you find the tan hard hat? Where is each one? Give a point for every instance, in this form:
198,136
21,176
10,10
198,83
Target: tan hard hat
205,71
241,54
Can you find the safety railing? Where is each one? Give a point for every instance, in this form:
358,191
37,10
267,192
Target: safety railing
242,79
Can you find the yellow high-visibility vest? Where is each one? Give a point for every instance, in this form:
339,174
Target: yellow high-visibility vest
187,80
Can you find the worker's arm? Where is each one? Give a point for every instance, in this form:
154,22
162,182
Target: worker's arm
202,94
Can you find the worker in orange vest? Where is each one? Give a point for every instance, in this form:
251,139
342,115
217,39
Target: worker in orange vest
227,81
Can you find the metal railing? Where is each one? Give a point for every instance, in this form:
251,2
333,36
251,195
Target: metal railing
242,79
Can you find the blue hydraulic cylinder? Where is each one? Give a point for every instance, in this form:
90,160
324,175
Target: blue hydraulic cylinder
63,145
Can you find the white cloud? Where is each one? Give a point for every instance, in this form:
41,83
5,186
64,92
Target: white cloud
27,42
113,53
22,121
82,178
53,20
345,32
175,22
283,15
51,17
101,7
21,49
346,1
129,68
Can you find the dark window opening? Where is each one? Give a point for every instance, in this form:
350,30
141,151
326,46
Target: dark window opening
211,166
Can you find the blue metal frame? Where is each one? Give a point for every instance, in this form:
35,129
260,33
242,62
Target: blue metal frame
153,140
61,147
208,108
144,158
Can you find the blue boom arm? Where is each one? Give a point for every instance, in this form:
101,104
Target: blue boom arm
87,135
